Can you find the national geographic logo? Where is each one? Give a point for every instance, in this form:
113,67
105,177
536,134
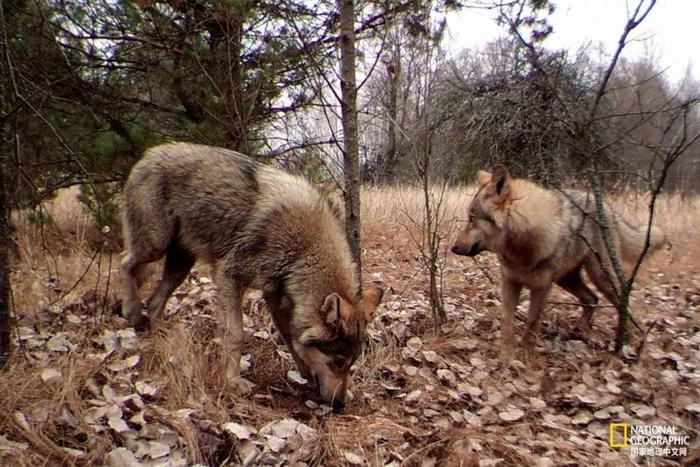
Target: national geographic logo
649,440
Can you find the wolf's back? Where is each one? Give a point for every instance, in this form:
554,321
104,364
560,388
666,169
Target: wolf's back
213,201
631,237
198,193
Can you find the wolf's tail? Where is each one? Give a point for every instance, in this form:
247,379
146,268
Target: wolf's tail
633,238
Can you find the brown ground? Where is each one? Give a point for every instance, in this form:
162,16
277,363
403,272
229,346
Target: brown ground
82,388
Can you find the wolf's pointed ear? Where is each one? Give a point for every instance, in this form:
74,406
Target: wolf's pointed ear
501,181
483,177
371,296
330,311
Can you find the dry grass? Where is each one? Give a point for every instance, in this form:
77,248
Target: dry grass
383,206
58,273
677,215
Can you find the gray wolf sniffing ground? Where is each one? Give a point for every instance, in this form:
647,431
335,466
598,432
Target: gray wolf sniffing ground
261,228
543,237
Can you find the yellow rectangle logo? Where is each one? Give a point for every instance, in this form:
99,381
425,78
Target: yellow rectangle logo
614,428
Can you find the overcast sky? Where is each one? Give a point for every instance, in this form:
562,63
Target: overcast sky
671,29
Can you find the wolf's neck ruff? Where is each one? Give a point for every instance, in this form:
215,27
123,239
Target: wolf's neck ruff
531,231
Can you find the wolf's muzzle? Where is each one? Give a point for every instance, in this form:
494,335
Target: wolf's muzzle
472,250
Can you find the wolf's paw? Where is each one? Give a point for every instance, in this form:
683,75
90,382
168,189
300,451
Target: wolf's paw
139,321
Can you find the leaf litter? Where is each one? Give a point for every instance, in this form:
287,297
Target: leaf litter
418,395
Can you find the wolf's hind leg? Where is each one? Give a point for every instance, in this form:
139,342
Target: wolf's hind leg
601,278
230,317
573,283
178,263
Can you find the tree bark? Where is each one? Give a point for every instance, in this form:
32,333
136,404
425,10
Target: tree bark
351,159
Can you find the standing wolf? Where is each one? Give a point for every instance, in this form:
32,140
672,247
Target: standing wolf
261,228
544,237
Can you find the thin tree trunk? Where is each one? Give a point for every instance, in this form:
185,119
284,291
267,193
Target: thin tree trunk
5,244
351,159
7,97
393,76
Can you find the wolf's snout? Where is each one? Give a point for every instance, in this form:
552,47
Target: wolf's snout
467,250
461,249
458,249
333,394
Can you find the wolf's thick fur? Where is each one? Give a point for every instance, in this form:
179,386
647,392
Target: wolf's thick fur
543,237
261,228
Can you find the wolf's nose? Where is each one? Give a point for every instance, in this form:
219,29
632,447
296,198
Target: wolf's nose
338,404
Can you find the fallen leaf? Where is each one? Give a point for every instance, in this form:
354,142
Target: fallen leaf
146,389
473,391
157,450
275,443
51,375
511,414
249,452
121,457
138,418
125,364
537,404
413,395
414,344
642,410
695,408
117,424
58,343
295,377
281,428
238,430
447,376
108,393
431,356
581,418
352,458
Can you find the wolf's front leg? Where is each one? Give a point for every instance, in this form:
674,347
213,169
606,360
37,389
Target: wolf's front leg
281,308
230,317
510,295
538,299
131,268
